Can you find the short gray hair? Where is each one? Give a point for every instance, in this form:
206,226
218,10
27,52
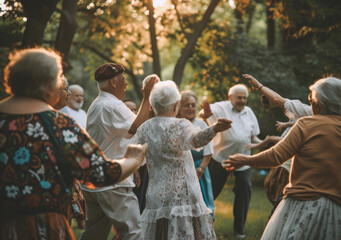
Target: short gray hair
75,87
163,96
328,92
31,72
238,87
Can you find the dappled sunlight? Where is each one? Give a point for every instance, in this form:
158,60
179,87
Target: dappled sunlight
223,208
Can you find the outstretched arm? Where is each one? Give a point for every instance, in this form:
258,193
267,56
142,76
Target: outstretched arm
274,97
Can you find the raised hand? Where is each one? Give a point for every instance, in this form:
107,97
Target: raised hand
221,125
136,151
149,87
253,82
207,109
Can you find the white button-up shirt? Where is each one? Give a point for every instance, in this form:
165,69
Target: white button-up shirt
79,116
108,122
233,140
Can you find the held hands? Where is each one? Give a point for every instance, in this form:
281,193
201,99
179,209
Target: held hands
221,125
234,162
136,151
253,82
149,87
206,109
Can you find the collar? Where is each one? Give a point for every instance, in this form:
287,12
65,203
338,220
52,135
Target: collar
107,94
232,109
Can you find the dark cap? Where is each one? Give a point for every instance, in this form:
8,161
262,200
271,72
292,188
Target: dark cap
108,71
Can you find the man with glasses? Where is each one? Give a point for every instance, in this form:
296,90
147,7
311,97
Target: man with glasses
244,131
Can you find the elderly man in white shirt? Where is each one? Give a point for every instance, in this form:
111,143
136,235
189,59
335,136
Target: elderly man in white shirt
110,123
244,131
75,104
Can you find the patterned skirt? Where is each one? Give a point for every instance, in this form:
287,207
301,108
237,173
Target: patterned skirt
318,219
51,226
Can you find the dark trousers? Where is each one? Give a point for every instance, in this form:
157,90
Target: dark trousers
241,189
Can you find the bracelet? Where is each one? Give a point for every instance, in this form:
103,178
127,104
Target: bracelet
260,88
200,170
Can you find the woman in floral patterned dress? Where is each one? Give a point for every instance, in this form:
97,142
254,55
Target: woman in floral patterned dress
42,152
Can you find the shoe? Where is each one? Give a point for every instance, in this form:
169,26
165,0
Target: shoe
240,236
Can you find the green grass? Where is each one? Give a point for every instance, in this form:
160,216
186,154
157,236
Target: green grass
257,217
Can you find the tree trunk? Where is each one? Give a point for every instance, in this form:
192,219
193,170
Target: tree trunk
188,49
66,30
153,40
271,34
38,14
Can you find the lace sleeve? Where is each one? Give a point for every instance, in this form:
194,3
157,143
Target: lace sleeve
192,137
203,137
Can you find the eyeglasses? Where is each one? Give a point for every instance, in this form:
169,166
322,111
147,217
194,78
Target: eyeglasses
310,98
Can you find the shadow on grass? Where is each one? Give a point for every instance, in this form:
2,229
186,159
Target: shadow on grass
258,213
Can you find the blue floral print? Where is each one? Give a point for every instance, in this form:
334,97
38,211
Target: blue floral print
21,156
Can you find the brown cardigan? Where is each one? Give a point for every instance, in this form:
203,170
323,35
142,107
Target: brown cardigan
315,142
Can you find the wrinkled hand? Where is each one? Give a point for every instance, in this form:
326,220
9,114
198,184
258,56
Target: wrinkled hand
280,126
136,151
250,146
199,173
207,109
234,162
149,87
253,82
221,125
137,178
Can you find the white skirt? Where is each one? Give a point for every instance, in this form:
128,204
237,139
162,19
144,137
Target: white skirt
318,219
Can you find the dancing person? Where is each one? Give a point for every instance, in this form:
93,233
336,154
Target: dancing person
277,178
174,205
77,208
201,156
141,190
311,208
75,104
43,151
110,123
244,131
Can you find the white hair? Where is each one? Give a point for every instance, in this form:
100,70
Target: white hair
75,87
238,88
146,79
328,92
163,96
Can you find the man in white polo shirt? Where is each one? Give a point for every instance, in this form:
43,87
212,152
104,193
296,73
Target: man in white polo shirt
244,131
109,122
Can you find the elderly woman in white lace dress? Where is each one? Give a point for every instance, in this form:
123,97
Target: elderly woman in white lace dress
175,208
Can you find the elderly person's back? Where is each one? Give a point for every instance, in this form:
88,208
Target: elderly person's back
42,152
311,208
174,205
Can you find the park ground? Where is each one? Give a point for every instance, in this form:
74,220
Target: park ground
257,217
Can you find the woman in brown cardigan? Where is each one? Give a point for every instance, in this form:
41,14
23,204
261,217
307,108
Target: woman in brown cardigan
311,208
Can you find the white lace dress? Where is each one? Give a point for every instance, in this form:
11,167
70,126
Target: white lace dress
175,208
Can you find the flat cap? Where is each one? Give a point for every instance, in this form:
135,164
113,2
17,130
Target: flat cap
108,71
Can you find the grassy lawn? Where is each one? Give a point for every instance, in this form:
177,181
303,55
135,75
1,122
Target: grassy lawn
257,217
258,213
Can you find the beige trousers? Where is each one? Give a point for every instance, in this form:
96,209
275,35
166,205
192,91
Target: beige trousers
115,207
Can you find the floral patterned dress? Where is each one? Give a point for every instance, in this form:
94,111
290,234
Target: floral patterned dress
41,155
175,208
